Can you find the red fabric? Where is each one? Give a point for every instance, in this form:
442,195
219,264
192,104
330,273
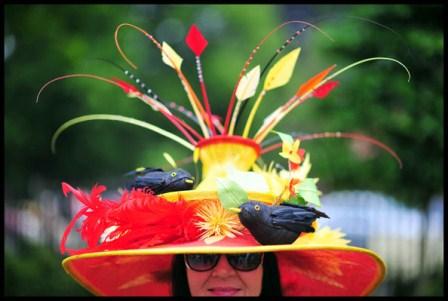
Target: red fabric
318,272
145,220
327,273
125,275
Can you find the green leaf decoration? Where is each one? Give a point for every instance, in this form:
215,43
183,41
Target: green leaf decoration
307,190
230,193
296,200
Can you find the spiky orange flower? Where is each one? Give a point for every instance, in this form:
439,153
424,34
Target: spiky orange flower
217,222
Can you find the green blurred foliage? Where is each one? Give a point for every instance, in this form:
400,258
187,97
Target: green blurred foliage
33,270
57,40
430,285
376,99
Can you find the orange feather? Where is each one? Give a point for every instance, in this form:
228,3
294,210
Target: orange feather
313,82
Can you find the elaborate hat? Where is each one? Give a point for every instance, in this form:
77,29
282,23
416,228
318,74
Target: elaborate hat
131,241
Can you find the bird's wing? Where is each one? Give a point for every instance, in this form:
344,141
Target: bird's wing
314,210
293,219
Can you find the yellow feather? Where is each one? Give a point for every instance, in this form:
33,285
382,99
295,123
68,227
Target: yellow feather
324,236
248,84
170,57
281,72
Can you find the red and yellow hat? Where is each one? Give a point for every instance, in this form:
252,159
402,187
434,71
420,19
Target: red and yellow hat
131,241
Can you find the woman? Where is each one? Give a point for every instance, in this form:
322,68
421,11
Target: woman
250,274
162,238
157,253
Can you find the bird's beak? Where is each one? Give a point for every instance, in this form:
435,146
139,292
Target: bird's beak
189,181
236,210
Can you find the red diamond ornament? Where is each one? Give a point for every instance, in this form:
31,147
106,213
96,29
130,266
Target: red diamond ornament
195,40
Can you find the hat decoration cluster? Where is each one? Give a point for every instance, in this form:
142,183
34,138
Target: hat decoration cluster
145,216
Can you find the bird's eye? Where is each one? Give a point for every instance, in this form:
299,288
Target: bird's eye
173,174
257,207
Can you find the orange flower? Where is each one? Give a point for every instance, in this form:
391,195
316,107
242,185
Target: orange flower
217,222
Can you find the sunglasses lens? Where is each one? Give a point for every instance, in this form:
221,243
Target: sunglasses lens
201,262
245,262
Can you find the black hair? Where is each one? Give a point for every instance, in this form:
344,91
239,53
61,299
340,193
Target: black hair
270,283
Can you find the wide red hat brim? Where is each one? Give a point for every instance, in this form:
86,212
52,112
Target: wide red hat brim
305,270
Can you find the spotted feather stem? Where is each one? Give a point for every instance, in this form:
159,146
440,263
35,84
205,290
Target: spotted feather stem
174,119
204,95
184,81
157,104
156,98
249,60
86,75
195,103
161,104
239,109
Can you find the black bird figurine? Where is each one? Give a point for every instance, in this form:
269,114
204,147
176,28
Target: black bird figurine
158,181
276,225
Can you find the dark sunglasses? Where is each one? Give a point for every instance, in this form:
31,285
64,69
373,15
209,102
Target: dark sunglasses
206,262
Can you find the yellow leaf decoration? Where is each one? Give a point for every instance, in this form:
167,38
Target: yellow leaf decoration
281,73
170,57
248,84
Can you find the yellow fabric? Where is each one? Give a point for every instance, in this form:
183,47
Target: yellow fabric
190,195
221,250
222,158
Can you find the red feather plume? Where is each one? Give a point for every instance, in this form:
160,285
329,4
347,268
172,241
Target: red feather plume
138,220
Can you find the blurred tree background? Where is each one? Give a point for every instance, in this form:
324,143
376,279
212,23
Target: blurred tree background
46,41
